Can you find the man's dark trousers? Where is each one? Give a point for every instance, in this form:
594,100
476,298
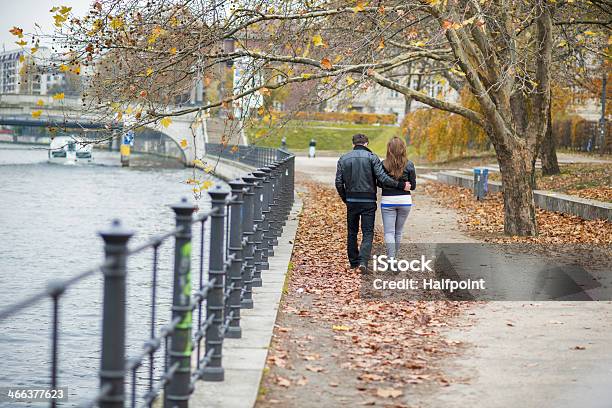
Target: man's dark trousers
366,213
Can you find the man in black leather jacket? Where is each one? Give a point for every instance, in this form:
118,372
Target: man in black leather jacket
356,177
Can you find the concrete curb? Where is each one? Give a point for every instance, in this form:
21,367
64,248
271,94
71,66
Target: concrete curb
244,359
547,200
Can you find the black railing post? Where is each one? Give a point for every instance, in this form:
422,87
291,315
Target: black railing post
275,208
267,218
291,183
214,305
236,249
112,366
177,390
248,233
258,224
283,198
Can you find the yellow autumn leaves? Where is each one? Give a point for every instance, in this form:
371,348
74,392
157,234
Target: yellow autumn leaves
199,186
37,113
61,14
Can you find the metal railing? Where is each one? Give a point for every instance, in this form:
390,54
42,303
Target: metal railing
251,155
244,224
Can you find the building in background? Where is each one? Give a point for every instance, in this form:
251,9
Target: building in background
24,73
378,99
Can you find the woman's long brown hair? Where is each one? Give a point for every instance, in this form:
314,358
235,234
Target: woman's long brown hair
397,158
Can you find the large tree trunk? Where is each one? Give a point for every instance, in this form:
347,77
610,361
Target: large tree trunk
548,151
519,208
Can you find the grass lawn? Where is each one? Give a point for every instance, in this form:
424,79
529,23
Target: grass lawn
330,136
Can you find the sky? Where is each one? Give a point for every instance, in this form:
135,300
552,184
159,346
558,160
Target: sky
25,13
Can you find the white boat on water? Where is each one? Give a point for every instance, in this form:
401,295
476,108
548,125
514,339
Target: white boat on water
69,150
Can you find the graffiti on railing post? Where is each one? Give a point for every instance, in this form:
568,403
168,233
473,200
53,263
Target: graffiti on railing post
177,391
112,366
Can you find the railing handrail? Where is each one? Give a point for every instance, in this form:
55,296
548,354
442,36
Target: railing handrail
244,228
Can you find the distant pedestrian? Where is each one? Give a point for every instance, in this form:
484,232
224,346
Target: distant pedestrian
312,148
357,175
396,203
284,143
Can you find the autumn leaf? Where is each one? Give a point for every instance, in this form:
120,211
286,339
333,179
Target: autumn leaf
165,122
58,96
33,50
21,43
208,168
198,163
206,185
341,328
36,114
306,75
358,7
173,50
326,64
155,34
381,44
63,68
234,149
149,71
21,58
183,143
388,392
16,31
261,110
265,91
260,133
350,81
283,382
59,19
116,23
65,9
40,102
317,40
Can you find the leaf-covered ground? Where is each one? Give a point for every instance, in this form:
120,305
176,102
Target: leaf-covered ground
331,348
586,180
485,219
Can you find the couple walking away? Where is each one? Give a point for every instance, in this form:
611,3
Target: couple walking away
358,174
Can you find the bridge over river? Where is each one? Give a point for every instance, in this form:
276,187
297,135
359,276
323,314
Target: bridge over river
69,113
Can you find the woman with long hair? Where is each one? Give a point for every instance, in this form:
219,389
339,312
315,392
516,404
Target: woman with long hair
395,204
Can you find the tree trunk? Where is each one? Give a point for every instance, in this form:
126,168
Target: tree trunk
519,207
548,151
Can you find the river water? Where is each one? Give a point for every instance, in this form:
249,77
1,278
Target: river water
49,218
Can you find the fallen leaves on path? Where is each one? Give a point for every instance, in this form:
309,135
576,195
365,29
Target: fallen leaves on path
486,219
380,345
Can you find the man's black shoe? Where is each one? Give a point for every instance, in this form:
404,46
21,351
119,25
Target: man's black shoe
363,269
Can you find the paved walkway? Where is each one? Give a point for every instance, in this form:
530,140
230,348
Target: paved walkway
516,354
